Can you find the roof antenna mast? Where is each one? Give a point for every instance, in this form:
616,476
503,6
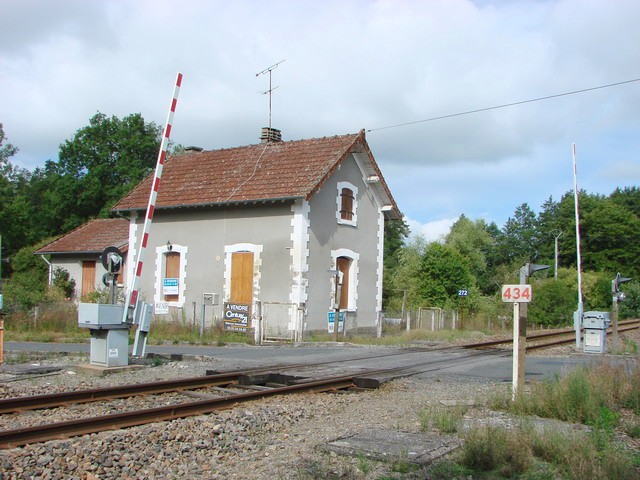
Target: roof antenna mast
271,89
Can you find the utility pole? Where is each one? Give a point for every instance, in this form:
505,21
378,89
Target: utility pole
555,256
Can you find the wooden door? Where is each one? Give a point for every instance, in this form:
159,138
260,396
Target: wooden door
241,278
172,270
343,264
88,277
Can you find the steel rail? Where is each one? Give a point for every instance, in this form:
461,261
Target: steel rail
18,404
571,340
556,333
61,430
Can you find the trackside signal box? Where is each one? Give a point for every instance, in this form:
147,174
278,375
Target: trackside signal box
595,326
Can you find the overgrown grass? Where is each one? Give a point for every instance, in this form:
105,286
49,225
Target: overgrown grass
51,323
523,452
59,323
443,419
589,395
176,332
594,396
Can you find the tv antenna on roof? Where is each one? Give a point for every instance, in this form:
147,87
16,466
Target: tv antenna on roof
271,89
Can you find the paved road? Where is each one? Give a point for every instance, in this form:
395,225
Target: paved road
493,367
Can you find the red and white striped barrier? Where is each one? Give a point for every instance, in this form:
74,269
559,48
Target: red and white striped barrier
132,294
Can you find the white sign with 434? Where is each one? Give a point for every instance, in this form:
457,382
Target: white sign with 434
516,293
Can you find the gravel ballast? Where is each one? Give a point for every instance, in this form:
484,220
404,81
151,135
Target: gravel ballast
275,438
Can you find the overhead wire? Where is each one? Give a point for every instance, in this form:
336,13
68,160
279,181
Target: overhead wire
505,105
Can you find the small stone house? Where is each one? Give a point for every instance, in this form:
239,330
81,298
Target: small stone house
267,228
78,252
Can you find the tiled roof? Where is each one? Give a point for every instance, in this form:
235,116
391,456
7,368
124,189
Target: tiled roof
92,237
262,172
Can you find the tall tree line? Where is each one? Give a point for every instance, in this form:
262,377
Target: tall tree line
94,169
480,257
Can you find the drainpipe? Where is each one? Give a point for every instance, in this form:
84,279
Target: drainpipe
50,270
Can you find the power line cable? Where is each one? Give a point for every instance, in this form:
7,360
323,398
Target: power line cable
486,109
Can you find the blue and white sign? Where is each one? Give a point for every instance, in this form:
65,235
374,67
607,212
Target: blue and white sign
170,286
331,317
1,302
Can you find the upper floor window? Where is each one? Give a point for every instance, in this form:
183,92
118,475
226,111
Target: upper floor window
347,204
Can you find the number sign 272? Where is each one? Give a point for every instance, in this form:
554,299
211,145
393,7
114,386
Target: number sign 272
516,293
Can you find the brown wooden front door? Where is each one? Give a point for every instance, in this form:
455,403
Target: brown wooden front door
88,277
241,278
343,264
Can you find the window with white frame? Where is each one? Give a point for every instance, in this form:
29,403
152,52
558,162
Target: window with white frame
347,204
171,275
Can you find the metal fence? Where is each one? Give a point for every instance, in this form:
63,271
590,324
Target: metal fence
436,319
424,319
280,322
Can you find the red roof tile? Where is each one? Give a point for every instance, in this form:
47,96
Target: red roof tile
92,237
262,172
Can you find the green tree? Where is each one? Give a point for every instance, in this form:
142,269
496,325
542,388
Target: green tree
395,235
548,226
27,286
62,280
404,278
518,240
102,162
444,271
627,197
12,216
554,302
630,306
611,234
474,242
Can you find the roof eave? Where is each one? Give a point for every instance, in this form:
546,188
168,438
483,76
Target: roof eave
214,204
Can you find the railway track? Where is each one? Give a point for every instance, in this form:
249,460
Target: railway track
550,339
218,391
224,391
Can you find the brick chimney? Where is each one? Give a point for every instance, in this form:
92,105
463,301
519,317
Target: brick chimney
269,135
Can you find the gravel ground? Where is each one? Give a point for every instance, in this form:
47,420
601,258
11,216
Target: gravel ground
275,438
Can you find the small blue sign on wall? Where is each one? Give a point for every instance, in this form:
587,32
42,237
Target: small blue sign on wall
170,286
331,316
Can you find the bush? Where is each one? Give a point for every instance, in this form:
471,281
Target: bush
492,448
63,281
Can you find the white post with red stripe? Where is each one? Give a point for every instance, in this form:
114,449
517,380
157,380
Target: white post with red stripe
132,293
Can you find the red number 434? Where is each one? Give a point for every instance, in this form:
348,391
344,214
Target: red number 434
516,293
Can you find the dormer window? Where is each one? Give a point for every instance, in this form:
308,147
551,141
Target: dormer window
346,213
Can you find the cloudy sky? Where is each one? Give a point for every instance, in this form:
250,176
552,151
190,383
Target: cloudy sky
349,65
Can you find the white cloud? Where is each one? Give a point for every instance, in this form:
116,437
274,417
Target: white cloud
434,231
